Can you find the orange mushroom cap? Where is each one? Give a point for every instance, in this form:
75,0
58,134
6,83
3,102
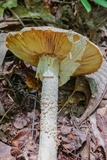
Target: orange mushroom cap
32,42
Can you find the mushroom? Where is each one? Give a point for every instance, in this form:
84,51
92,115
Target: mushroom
57,54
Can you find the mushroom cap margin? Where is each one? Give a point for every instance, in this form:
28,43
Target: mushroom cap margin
30,43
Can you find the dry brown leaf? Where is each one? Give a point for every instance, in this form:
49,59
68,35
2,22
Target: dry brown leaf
69,147
3,137
21,138
5,152
81,85
3,49
8,24
98,142
20,121
65,130
78,99
96,132
100,78
81,135
85,153
71,136
101,119
102,111
1,109
103,30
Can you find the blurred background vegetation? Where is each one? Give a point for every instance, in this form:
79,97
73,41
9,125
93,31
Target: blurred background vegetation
83,16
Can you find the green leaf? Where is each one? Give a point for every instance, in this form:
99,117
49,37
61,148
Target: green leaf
1,2
101,2
87,5
47,17
41,13
9,4
1,12
93,85
38,13
23,12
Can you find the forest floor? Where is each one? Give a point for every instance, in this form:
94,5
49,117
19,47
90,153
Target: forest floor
82,114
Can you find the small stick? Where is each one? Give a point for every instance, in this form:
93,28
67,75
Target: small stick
33,121
17,17
8,109
5,114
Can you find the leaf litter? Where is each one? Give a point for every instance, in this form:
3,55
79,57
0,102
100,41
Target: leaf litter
82,111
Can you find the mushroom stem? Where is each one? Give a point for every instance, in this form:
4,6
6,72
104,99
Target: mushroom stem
49,107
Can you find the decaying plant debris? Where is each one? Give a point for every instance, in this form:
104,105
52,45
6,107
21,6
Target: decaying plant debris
80,137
